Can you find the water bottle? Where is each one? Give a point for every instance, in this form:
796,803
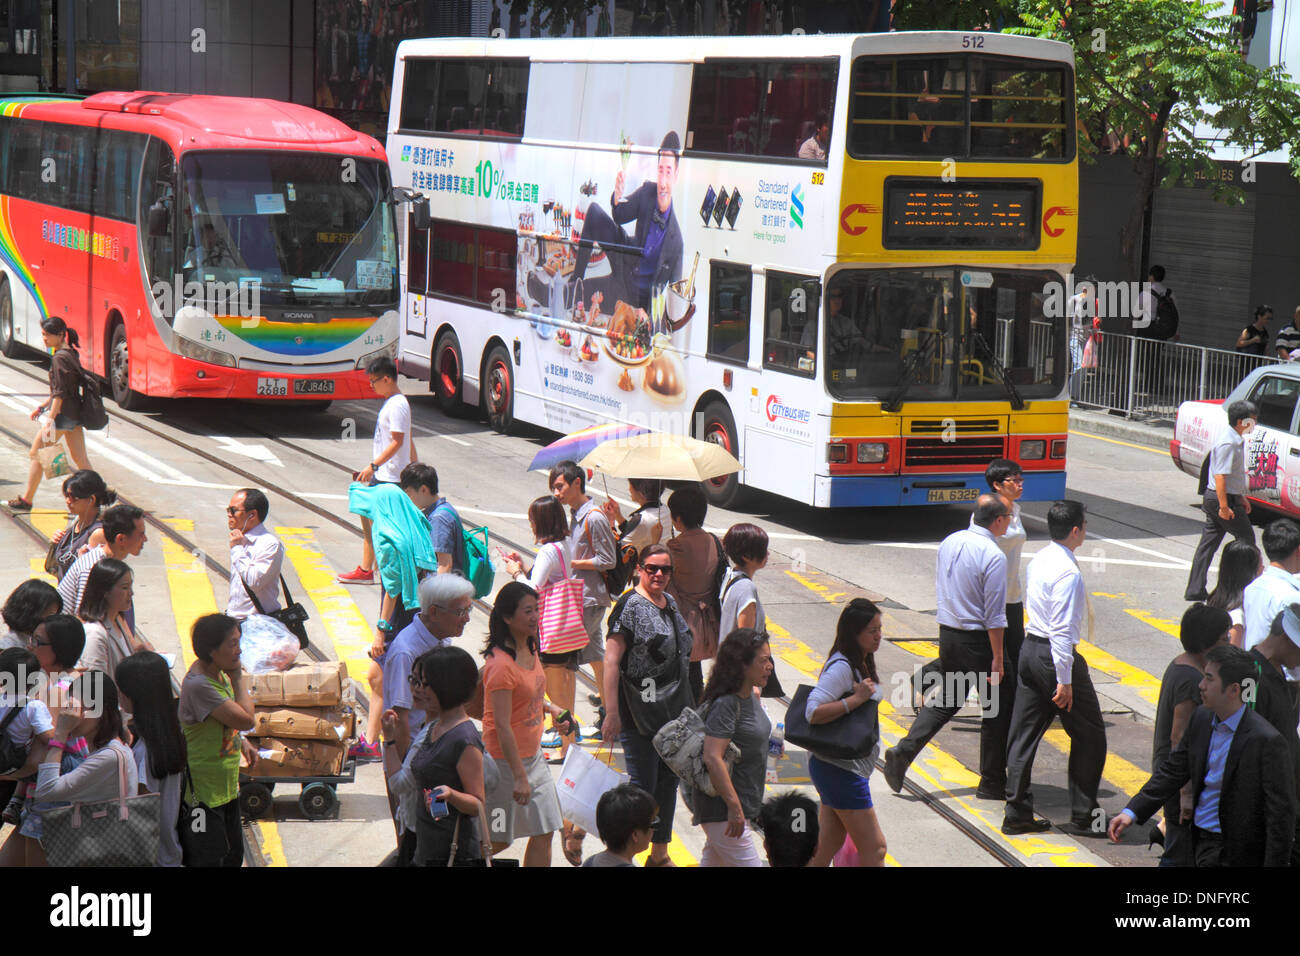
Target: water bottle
775,750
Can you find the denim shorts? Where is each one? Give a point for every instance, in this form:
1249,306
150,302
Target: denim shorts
63,423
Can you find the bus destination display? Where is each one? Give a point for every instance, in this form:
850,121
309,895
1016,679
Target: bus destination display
923,214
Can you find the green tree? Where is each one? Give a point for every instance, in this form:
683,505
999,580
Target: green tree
1152,74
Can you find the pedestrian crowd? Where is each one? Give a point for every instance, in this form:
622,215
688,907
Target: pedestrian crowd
677,639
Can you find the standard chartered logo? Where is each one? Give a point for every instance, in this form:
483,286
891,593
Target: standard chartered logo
796,206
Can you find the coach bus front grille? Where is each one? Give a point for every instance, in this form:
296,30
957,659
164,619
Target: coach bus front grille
937,426
937,453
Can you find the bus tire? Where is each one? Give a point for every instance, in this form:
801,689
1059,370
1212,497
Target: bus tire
119,372
499,390
718,426
316,408
8,343
447,374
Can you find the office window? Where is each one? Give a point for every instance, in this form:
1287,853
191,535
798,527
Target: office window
729,293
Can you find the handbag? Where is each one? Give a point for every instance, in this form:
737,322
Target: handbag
560,628
120,832
584,779
849,737
484,843
680,743
202,836
293,615
52,553
54,459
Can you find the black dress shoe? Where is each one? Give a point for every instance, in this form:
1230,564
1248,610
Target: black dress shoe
1202,597
989,793
894,770
1087,828
1032,825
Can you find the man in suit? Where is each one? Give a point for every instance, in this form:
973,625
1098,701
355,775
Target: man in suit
651,258
1240,767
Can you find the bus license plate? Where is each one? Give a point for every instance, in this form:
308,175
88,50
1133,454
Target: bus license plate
952,494
275,387
313,386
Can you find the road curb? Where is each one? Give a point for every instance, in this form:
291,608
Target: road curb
1108,426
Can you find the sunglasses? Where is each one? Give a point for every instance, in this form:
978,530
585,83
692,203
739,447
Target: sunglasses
657,569
459,612
234,511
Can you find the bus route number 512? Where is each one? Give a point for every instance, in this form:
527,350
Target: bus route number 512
972,42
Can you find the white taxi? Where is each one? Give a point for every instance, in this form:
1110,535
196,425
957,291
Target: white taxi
1272,449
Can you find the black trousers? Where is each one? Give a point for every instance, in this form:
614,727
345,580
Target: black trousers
1212,536
1207,847
226,818
624,262
1014,635
1029,722
965,658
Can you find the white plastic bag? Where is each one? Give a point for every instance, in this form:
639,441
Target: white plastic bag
583,779
266,645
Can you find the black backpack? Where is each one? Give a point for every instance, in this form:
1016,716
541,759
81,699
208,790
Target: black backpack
12,755
1165,323
93,414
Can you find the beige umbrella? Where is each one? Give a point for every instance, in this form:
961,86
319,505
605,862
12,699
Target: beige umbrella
661,455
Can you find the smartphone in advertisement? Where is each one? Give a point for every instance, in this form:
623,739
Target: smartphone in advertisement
706,210
720,207
733,208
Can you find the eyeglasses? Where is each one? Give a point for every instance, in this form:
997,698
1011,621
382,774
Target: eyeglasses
458,611
1017,480
415,681
657,569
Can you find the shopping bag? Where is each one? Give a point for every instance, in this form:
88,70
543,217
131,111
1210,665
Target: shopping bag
120,832
560,628
583,779
54,459
847,855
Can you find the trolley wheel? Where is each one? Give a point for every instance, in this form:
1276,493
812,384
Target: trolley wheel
446,380
499,390
318,801
255,800
718,426
8,343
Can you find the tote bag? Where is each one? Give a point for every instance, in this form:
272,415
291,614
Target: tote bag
54,459
560,628
584,778
121,832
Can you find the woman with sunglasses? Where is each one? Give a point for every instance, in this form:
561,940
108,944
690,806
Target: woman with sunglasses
86,496
649,640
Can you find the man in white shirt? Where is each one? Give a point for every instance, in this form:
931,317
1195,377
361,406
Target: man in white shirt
256,556
1054,681
391,450
1275,589
971,585
1225,504
814,147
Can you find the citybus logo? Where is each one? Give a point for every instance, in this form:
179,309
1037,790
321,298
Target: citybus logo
775,410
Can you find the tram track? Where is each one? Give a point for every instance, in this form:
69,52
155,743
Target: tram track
987,842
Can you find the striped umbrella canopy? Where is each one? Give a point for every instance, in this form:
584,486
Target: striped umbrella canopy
577,445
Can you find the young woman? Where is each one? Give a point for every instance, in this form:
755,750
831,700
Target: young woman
645,525
694,586
732,713
144,685
214,708
648,618
554,564
26,606
85,495
109,640
524,801
746,546
61,415
1240,564
848,680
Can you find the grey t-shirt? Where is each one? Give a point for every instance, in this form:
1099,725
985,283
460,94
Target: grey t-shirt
606,858
744,722
738,592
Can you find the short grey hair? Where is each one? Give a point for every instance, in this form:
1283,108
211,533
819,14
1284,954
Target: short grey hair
442,589
1238,411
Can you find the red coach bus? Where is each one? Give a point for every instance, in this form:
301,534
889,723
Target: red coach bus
201,246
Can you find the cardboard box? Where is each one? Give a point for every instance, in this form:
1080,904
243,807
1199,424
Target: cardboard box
303,685
298,758
335,724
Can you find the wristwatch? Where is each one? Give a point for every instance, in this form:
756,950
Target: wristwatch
383,625
373,466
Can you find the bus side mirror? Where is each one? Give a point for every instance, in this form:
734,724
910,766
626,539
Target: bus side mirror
421,214
159,220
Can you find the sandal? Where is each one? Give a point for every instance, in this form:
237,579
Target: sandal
18,503
571,842
666,861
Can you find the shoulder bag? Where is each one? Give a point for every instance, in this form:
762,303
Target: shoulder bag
52,553
655,676
849,737
12,756
203,837
293,615
560,628
121,832
680,743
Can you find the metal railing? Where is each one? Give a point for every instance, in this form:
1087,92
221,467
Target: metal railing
1149,379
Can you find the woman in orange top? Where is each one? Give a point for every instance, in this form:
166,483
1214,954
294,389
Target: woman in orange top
524,802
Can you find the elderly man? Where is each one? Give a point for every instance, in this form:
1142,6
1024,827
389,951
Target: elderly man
1225,504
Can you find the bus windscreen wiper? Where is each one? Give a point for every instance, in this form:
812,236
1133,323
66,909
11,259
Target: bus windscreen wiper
910,367
1017,402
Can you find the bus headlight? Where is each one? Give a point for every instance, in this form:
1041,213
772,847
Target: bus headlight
872,452
201,353
1033,449
389,350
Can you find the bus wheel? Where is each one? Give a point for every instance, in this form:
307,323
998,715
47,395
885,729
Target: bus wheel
447,376
499,390
119,372
8,344
720,428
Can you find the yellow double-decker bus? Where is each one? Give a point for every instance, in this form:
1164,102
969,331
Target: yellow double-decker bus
842,257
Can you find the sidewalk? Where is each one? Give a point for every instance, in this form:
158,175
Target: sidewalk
1094,422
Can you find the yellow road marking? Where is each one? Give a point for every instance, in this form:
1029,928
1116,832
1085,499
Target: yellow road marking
793,651
927,649
347,628
189,586
49,522
1128,777
270,840
38,570
1116,441
676,852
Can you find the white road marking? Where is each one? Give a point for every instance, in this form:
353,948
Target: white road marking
256,452
1122,544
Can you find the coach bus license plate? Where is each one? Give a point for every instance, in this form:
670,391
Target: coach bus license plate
274,387
313,386
952,494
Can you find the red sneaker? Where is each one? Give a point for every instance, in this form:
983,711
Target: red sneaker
358,575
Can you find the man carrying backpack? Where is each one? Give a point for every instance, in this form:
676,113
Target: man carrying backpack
420,482
1158,315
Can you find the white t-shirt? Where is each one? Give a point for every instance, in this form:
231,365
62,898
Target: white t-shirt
395,416
32,720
